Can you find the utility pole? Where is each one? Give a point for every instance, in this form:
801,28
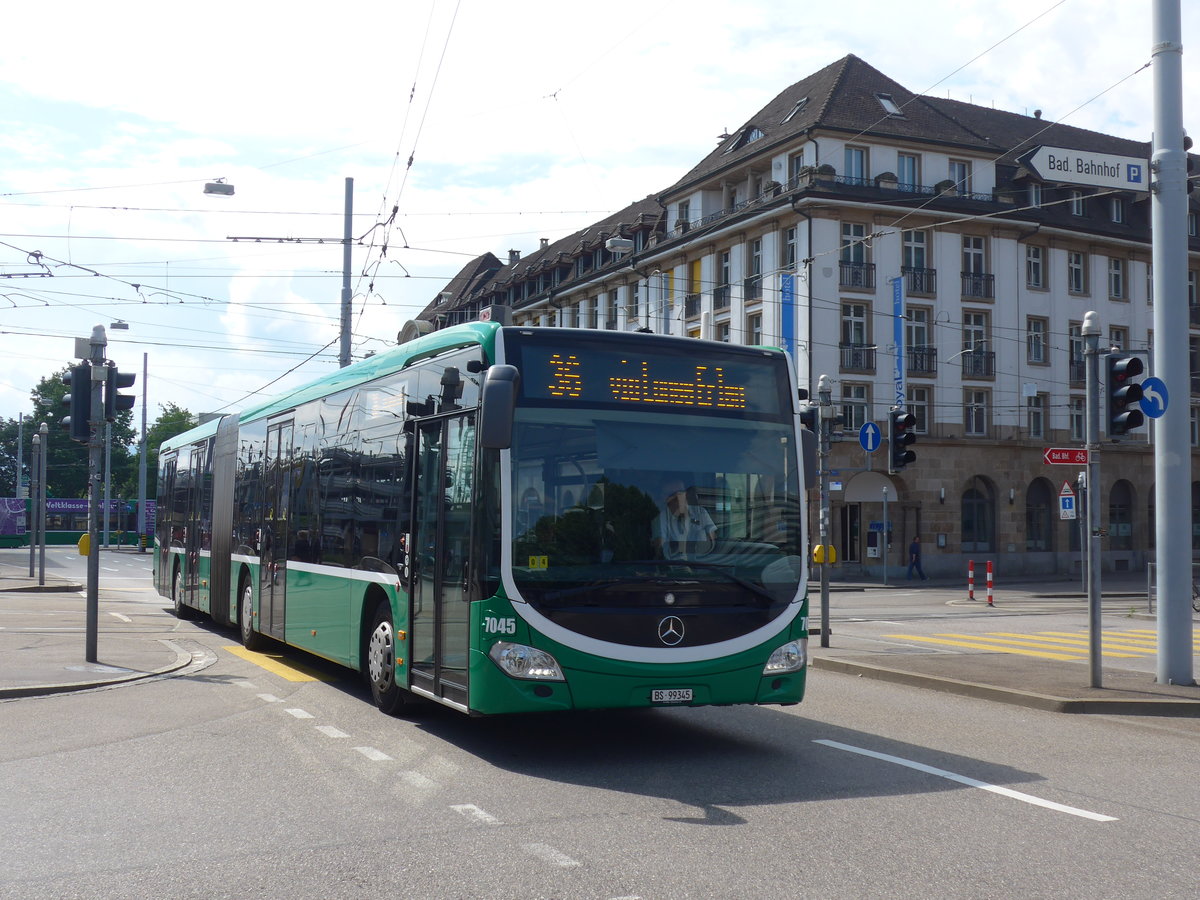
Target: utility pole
99,346
1172,445
44,434
1091,337
31,526
825,424
142,450
347,237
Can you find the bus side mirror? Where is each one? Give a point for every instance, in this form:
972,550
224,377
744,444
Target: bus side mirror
496,407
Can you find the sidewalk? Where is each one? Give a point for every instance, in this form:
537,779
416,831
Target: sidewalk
43,638
42,645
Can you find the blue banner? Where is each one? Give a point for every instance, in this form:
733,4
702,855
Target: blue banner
898,335
787,310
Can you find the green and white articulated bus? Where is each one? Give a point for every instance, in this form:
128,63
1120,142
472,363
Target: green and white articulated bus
511,519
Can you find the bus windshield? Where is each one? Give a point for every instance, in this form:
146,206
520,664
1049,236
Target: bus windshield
617,511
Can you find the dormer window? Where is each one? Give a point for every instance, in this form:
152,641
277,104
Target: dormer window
748,136
889,105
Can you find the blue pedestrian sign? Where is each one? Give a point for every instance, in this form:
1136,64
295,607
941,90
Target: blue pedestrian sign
1154,397
869,437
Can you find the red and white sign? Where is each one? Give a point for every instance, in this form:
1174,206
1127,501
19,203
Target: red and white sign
1065,456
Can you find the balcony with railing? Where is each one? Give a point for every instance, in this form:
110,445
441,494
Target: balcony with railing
691,305
979,364
978,285
856,275
752,288
1077,371
721,297
858,357
920,360
919,281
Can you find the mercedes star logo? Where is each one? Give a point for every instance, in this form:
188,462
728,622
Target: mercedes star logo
670,630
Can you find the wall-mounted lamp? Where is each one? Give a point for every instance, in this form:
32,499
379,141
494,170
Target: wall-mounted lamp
219,187
119,325
1012,495
941,495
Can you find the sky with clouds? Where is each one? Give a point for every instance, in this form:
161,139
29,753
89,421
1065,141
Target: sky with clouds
522,120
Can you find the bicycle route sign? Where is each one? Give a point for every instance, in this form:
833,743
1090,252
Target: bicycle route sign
1065,456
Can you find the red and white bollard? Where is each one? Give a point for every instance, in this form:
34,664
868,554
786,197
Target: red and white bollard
970,579
989,583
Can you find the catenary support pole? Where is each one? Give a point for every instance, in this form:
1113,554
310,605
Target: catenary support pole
824,426
347,237
99,346
1091,337
1172,438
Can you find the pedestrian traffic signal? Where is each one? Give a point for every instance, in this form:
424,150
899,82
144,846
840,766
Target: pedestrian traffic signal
900,436
1124,394
78,402
114,402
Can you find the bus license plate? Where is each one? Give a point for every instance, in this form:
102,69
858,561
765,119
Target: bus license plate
671,695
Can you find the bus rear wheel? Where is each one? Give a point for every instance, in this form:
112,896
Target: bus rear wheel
251,639
182,611
381,663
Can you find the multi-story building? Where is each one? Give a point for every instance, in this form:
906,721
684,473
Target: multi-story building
793,232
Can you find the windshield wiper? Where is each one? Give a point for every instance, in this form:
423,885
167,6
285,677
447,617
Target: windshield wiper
660,580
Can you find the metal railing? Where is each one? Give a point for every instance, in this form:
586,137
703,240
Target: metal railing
856,274
979,364
721,297
752,288
979,285
921,360
859,357
919,281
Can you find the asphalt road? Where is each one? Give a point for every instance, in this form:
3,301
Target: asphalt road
236,781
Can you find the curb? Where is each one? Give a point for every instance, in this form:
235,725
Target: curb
43,588
182,659
1027,699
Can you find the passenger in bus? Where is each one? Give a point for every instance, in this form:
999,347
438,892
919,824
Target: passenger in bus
684,529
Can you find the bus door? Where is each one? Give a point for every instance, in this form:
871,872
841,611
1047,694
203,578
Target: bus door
191,531
443,487
277,491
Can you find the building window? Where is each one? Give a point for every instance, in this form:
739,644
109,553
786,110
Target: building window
1075,348
1035,339
908,171
754,332
855,170
855,405
1075,410
1118,337
975,412
1035,415
1191,224
855,332
1116,278
721,332
1116,209
917,403
889,105
854,243
1077,272
1035,194
1120,516
974,258
1078,207
916,243
960,174
916,328
1194,413
975,331
1039,518
789,248
1035,273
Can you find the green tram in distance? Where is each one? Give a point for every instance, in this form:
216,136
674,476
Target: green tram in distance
511,519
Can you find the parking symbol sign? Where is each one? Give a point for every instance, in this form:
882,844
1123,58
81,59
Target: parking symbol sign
1133,173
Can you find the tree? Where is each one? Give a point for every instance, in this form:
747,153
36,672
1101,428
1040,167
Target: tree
171,421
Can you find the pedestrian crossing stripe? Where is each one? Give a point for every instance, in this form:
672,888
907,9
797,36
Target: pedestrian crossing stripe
1056,645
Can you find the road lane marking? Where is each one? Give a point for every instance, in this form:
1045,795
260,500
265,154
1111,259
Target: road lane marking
970,782
278,664
416,780
121,617
269,698
471,811
298,713
975,645
372,754
331,731
550,855
1043,643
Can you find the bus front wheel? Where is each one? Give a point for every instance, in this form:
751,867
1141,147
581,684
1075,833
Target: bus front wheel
182,611
251,639
381,663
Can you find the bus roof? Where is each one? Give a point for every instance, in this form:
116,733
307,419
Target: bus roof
393,360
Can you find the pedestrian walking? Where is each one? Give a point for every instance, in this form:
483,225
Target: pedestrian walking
914,559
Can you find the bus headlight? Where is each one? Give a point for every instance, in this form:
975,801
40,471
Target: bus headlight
791,657
520,661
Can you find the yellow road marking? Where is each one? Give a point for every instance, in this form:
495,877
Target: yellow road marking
278,664
980,646
1032,641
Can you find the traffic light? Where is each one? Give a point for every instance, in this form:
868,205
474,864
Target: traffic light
900,436
114,402
78,402
808,417
1191,164
1124,395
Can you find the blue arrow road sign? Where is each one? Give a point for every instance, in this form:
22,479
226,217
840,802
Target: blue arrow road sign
868,437
1154,397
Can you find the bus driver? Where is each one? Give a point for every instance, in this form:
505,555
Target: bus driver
683,529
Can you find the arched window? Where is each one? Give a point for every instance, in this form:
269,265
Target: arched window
978,517
1120,516
1039,522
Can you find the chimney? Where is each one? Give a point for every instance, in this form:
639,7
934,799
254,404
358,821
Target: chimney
1037,113
513,257
545,243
